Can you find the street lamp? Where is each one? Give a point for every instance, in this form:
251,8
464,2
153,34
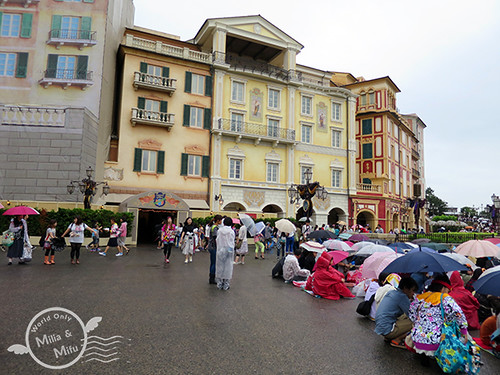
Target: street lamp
87,187
306,192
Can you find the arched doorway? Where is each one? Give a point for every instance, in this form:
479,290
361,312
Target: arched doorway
364,218
335,215
272,208
395,222
234,206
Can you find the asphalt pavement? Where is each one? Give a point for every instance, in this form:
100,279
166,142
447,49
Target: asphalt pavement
147,317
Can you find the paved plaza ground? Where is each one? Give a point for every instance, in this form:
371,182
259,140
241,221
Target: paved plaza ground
173,322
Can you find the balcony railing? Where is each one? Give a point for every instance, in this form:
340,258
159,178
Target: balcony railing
415,154
257,132
32,116
66,78
79,38
152,82
415,172
25,3
152,118
369,188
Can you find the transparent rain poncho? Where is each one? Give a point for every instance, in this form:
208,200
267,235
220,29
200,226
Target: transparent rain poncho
225,253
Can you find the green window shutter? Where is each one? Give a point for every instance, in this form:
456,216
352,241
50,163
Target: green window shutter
138,160
208,85
22,65
81,69
141,103
26,25
85,26
187,114
187,86
207,118
366,126
56,26
51,66
160,164
165,72
205,166
144,67
184,164
367,181
163,106
367,151
88,1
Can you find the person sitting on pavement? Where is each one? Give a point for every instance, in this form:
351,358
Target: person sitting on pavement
391,320
326,281
371,291
307,260
291,268
464,298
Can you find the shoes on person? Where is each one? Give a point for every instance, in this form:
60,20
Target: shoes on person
128,251
242,262
119,255
236,262
52,261
102,253
77,261
225,286
186,261
256,257
88,247
190,259
219,285
21,263
9,264
72,261
396,344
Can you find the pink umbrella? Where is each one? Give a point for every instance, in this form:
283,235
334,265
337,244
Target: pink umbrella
21,210
338,255
376,262
494,240
1,206
236,221
351,244
477,249
358,237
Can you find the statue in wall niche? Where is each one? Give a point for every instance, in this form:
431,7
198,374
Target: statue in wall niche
113,174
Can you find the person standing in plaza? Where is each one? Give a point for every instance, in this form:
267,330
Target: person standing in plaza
225,254
19,227
241,245
50,233
212,247
114,232
259,246
187,240
76,229
268,233
306,230
168,231
123,235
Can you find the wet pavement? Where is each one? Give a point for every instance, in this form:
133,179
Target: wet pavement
167,319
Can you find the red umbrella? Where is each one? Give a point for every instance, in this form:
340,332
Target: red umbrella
494,241
358,237
21,211
338,255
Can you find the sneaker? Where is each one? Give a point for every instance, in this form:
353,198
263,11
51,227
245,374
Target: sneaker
219,285
190,259
186,261
102,253
242,262
225,286
119,255
167,261
236,262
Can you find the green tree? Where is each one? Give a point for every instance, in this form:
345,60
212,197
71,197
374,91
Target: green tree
468,212
437,206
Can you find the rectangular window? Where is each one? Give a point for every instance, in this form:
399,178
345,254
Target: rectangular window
303,174
367,150
237,92
336,178
363,99
66,66
306,133
7,64
306,105
274,99
70,27
372,97
155,70
11,24
196,117
197,84
236,122
235,169
194,165
336,136
272,172
273,127
336,111
366,126
152,105
149,160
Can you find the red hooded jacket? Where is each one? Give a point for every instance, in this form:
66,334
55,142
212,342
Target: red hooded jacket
464,298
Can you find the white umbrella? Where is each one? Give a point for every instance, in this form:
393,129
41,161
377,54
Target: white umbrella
478,249
312,246
337,245
248,222
369,250
461,259
259,227
359,245
285,225
304,219
490,270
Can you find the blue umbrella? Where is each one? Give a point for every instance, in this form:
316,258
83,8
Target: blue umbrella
400,247
345,236
489,282
424,249
422,261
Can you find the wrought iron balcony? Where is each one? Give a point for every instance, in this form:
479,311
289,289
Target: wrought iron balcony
152,118
152,82
66,78
415,172
369,188
257,132
25,3
79,38
415,154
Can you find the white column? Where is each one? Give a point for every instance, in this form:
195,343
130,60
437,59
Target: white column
351,144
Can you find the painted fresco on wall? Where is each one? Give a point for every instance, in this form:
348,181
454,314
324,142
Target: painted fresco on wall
158,199
256,99
322,117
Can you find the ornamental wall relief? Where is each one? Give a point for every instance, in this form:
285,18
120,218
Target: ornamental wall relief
253,198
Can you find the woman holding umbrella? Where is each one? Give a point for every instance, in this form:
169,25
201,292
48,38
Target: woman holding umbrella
19,227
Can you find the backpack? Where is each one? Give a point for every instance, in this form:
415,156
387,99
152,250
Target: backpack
365,306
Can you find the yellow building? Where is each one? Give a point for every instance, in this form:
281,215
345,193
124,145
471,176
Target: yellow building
273,120
159,156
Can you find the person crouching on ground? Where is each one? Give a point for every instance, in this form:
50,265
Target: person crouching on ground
225,254
291,268
391,320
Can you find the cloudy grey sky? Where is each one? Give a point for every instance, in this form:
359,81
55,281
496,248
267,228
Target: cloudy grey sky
444,56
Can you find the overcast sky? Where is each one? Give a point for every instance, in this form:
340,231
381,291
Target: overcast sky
444,56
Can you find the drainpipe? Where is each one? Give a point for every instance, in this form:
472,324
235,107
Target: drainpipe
212,72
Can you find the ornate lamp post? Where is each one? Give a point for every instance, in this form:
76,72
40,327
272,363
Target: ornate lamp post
306,192
87,187
416,204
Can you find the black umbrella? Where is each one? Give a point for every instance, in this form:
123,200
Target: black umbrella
322,234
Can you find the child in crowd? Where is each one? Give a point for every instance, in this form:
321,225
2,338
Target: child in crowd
94,245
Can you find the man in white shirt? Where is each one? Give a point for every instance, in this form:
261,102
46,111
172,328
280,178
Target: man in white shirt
291,268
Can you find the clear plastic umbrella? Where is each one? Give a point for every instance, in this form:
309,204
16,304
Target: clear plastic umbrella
369,250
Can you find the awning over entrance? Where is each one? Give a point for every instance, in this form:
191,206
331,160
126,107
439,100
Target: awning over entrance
197,204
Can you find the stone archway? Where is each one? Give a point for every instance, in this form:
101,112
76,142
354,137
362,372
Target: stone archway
366,217
395,222
234,206
335,215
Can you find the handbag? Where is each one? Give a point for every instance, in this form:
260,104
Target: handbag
238,245
7,238
452,354
365,306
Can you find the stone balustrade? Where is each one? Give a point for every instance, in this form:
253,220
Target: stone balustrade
32,116
370,188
